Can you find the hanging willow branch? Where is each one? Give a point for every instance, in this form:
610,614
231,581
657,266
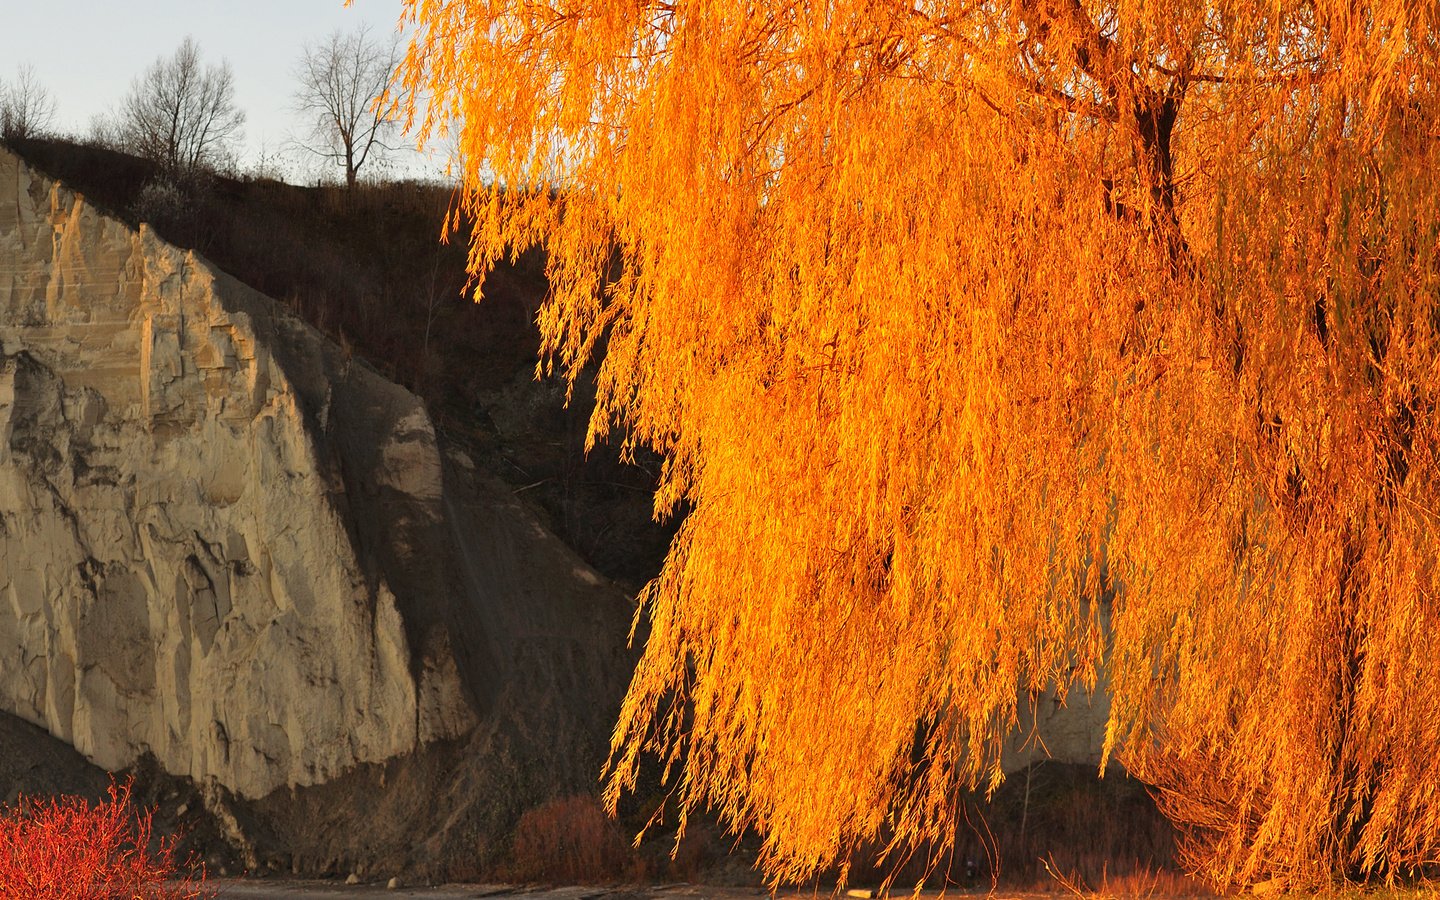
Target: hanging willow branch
995,346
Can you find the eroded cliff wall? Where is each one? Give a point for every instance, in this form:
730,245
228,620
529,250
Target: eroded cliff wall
224,542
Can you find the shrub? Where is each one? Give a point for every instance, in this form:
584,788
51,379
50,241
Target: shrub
160,202
569,839
67,849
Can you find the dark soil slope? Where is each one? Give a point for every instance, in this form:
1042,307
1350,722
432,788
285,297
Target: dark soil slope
34,764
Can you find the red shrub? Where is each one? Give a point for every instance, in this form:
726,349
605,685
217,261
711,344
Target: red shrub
569,839
67,849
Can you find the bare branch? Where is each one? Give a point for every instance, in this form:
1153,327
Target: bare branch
342,89
26,108
180,115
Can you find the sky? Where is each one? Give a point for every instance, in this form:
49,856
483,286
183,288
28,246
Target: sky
87,52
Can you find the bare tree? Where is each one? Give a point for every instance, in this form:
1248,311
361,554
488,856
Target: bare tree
342,82
103,131
181,115
26,108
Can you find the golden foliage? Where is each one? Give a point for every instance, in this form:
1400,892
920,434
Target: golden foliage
967,328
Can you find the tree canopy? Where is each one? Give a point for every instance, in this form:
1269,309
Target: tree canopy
992,346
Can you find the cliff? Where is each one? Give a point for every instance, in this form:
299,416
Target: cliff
227,545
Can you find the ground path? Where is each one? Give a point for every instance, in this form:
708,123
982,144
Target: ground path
234,889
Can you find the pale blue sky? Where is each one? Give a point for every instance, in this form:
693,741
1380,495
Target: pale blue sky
86,52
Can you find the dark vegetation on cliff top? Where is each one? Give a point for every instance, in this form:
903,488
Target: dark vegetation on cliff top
367,267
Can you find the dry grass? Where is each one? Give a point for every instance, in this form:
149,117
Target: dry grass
1136,884
1421,890
1055,826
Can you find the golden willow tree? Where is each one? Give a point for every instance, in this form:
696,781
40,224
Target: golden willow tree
990,346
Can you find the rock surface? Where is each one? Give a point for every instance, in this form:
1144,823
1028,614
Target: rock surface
225,543
1068,731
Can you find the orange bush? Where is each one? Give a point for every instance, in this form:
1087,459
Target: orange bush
67,849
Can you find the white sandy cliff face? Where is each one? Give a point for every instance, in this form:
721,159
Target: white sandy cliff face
181,569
